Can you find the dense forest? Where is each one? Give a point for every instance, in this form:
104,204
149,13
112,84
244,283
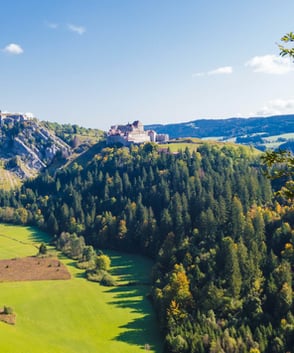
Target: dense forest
221,241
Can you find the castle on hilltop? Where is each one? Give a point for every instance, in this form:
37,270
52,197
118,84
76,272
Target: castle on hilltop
133,134
7,118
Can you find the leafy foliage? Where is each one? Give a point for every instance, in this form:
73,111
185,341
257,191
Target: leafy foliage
223,252
74,134
281,166
7,310
42,249
284,51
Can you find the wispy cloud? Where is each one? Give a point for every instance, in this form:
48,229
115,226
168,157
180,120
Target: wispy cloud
224,70
52,25
277,107
77,29
14,49
270,64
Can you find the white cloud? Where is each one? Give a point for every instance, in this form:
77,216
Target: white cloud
77,29
13,48
224,70
277,107
270,64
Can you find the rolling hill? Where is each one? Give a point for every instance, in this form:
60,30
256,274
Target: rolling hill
259,132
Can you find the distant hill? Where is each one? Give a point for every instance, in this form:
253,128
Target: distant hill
29,146
260,132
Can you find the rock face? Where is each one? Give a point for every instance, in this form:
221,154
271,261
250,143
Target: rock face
26,147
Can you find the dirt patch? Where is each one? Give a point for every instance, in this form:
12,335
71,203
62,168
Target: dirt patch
32,269
7,318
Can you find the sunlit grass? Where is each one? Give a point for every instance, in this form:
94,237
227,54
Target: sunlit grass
8,180
76,315
193,144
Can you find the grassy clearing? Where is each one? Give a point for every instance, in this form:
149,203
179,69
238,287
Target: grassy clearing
182,144
274,142
194,143
8,180
274,138
76,315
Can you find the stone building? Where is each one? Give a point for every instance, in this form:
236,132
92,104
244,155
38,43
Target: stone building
128,134
12,118
133,134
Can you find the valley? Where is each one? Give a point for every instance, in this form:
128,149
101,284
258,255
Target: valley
75,315
199,238
146,176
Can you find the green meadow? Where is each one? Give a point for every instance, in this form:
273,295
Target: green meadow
76,316
193,144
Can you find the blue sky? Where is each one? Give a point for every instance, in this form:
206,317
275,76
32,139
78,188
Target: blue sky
96,63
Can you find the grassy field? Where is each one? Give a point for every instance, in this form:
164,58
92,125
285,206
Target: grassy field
273,138
194,143
273,142
76,316
8,180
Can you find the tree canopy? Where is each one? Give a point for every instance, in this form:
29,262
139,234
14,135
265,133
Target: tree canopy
287,50
281,163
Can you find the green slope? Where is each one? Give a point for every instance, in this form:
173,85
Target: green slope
75,315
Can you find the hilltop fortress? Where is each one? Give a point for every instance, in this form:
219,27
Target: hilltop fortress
7,118
133,134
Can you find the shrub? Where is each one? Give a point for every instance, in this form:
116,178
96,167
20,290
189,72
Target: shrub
86,265
95,275
100,276
103,262
7,310
42,249
108,280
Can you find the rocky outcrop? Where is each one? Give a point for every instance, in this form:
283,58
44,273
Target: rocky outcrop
28,147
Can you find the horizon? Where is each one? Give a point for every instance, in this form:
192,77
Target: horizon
32,116
96,63
185,122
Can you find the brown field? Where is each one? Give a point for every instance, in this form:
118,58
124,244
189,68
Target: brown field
32,269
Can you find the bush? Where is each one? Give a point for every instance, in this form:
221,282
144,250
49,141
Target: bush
100,276
108,280
86,265
95,275
7,310
103,262
42,249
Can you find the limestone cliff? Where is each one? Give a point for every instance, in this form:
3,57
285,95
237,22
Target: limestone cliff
27,147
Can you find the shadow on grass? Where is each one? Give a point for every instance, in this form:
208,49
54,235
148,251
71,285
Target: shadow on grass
138,332
142,331
130,268
38,236
73,264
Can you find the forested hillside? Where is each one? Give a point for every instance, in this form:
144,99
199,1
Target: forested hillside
260,132
222,246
